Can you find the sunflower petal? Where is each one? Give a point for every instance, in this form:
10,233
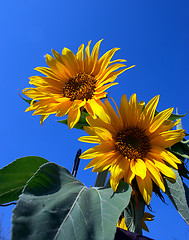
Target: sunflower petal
149,111
155,174
90,139
73,117
138,167
145,187
168,138
160,118
98,150
95,54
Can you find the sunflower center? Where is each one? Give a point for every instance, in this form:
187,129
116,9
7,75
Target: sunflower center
80,87
133,143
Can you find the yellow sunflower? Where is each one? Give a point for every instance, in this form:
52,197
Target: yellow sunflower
73,82
133,144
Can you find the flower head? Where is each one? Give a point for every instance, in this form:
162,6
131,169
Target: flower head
133,144
73,82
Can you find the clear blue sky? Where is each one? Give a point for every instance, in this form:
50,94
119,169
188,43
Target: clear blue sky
153,35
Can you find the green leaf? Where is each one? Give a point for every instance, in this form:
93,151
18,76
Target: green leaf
134,215
55,205
82,122
177,194
14,177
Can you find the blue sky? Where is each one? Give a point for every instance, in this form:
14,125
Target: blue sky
153,35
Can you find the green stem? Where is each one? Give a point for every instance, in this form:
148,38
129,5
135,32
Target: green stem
101,179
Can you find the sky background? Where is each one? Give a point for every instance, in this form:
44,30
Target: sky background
153,35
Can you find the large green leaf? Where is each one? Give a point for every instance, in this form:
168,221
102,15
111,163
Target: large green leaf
14,176
55,205
82,121
178,195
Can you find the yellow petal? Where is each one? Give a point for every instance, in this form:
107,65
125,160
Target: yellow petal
138,167
167,125
98,150
114,183
129,175
47,71
115,120
45,81
89,130
107,72
103,134
90,139
167,139
94,55
125,111
103,88
79,57
105,59
78,104
70,61
57,56
134,115
160,118
154,174
43,117
87,65
167,171
145,187
58,68
149,111
63,108
73,117
108,162
101,159
99,123
164,154
99,109
117,60
118,168
121,224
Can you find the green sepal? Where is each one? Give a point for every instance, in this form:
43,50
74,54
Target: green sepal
25,99
14,177
174,117
82,121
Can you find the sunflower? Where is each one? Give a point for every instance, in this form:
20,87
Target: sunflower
133,144
72,83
